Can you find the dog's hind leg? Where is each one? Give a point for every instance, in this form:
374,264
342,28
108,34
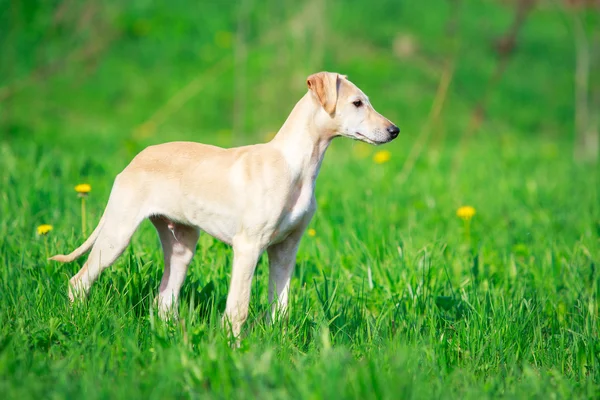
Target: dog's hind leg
179,244
110,244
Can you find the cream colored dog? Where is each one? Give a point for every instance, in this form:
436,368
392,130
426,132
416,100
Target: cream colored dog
254,198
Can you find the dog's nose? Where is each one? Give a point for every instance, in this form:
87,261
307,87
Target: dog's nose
393,130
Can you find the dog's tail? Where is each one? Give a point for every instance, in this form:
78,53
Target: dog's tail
84,248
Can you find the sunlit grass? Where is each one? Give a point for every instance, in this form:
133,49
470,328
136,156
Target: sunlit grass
389,297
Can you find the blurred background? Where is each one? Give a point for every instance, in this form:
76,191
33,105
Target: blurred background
82,73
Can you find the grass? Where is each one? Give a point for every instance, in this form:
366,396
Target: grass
511,309
392,297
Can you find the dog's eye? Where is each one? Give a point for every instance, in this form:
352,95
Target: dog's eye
357,103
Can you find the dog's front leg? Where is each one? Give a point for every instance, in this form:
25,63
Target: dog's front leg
245,256
282,261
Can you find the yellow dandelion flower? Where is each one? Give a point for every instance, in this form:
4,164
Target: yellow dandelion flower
224,39
269,136
311,232
83,188
382,156
145,130
465,212
44,229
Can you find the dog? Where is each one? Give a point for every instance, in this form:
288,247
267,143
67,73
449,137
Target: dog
254,198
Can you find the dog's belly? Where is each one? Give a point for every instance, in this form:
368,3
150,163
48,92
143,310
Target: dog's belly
212,217
216,221
218,230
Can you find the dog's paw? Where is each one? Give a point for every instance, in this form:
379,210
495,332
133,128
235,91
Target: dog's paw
76,292
167,308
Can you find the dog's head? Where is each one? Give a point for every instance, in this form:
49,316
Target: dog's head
347,111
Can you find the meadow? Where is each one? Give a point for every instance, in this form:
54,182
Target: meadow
394,295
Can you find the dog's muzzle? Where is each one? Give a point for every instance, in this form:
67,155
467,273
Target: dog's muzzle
393,130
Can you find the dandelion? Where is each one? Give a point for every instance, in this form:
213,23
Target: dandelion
466,213
382,156
311,232
269,136
143,131
224,39
83,189
44,229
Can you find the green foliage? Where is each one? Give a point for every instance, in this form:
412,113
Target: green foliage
393,297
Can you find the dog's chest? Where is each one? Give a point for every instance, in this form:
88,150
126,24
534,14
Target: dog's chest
298,206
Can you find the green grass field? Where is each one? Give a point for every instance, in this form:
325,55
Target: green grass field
394,296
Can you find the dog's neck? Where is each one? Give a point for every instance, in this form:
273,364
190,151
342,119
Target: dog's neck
301,141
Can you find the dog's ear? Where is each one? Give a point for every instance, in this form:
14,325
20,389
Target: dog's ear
325,86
